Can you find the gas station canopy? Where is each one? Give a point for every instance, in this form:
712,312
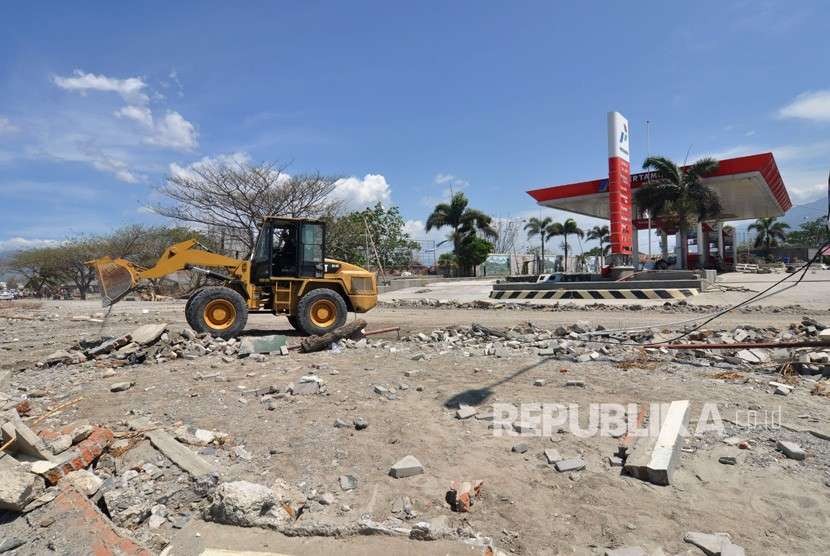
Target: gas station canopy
748,187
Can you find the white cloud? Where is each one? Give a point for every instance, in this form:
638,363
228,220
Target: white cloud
731,152
20,243
812,105
453,181
417,230
140,114
117,168
230,159
130,89
360,193
171,131
819,149
175,132
6,126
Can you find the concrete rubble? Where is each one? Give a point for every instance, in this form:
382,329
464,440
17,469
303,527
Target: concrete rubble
18,486
150,479
406,467
714,544
655,457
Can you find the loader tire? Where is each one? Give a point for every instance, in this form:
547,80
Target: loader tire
219,311
294,322
320,311
187,313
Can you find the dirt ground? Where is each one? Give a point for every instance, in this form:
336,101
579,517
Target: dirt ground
767,503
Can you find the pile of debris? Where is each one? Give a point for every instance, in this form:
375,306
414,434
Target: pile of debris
677,306
142,479
153,343
583,341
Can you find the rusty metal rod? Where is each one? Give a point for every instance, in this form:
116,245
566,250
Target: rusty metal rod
382,331
745,345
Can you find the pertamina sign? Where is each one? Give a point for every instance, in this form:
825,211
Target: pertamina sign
619,184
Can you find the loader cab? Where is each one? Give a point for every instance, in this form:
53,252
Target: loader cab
289,248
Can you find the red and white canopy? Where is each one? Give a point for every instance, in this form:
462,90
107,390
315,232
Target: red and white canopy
748,187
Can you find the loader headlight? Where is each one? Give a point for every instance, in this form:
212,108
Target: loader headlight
362,285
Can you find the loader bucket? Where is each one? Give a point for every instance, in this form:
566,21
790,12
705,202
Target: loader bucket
116,277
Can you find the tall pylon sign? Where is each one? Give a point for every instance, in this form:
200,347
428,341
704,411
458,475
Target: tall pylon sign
619,184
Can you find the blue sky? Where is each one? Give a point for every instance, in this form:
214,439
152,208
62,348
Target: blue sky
99,101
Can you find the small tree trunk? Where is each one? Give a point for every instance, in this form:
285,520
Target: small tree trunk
543,254
319,343
565,262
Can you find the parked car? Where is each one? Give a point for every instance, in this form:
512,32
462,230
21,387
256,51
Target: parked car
664,264
6,295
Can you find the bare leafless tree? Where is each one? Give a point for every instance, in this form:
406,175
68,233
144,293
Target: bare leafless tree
236,196
508,231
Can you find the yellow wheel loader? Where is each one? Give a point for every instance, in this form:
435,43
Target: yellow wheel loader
287,274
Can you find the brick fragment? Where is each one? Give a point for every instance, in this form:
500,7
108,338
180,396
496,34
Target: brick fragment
81,456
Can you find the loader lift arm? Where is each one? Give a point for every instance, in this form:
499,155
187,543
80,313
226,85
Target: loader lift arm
117,277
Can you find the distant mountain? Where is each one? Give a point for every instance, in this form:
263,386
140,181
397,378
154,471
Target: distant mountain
808,211
794,217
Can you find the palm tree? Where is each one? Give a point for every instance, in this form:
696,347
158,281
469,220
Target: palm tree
537,227
569,226
603,235
770,232
463,221
679,195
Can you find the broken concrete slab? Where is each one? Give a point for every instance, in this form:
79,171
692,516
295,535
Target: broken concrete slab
248,505
406,467
465,411
197,437
573,464
655,457
147,334
64,357
108,346
627,551
710,543
552,455
25,440
85,482
261,344
178,453
524,427
791,450
18,487
754,355
305,389
347,482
